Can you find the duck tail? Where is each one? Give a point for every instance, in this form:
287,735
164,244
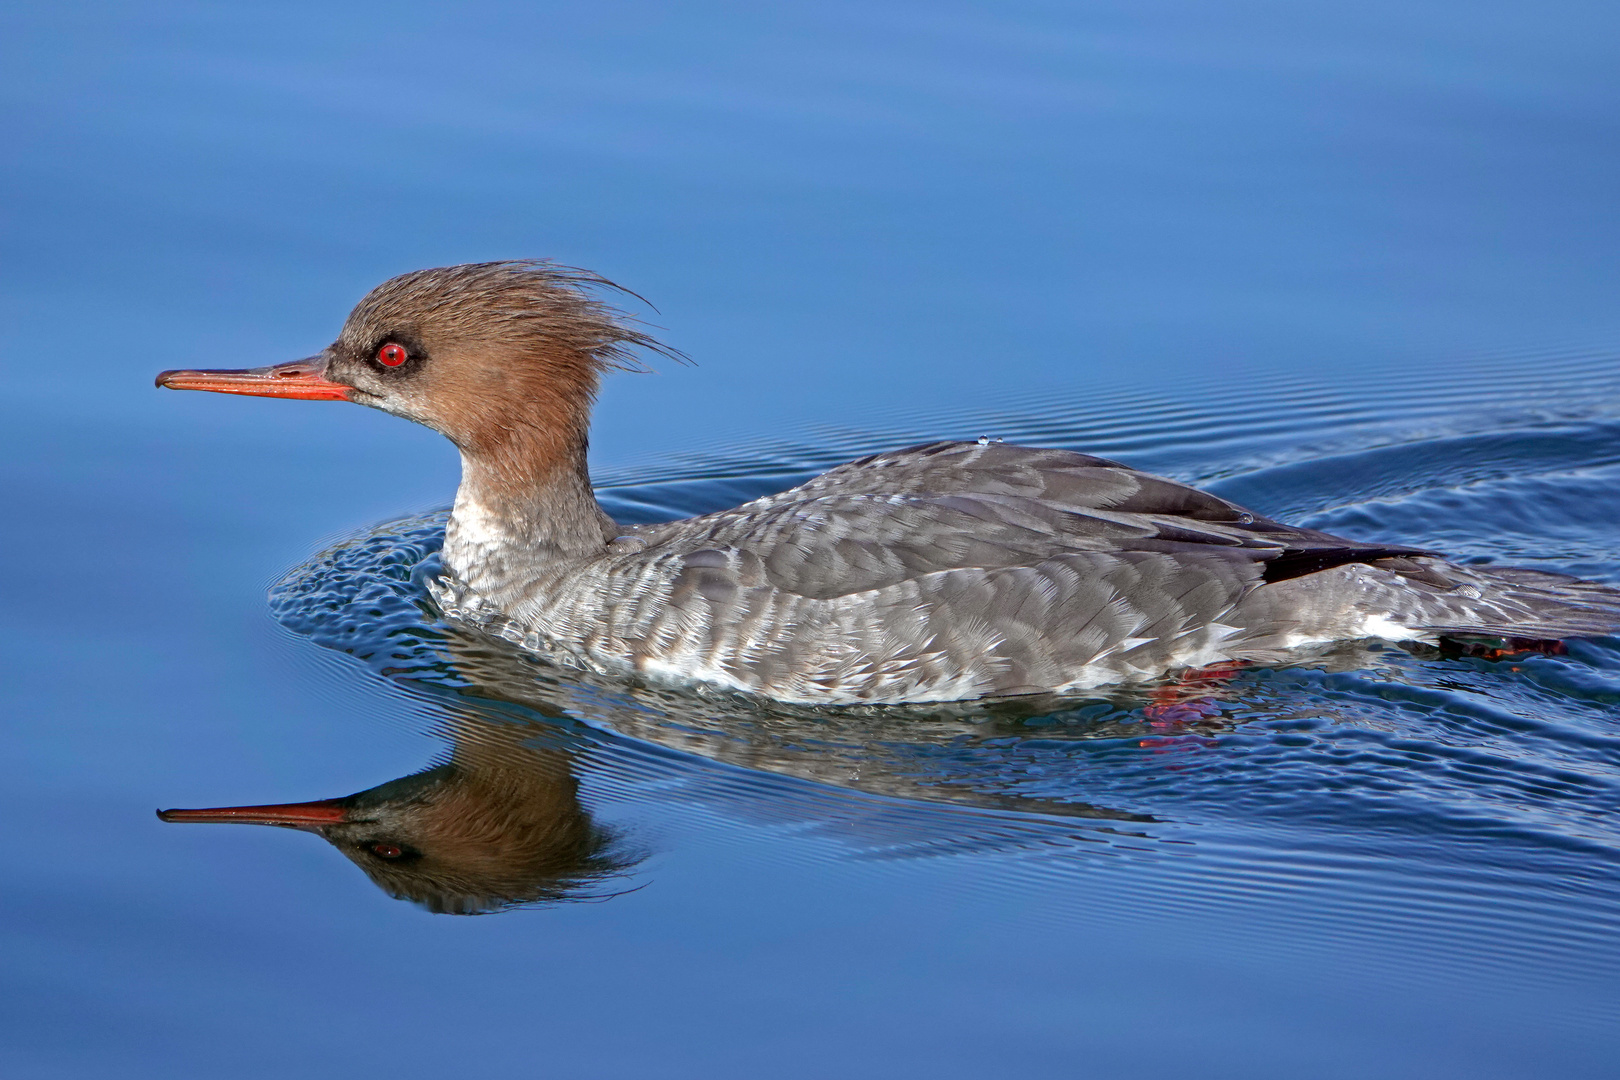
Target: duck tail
1511,602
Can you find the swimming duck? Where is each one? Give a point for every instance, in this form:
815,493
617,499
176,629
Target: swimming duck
942,572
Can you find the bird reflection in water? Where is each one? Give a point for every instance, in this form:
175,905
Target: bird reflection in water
499,825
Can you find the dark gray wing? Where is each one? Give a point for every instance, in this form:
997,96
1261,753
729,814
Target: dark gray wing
953,505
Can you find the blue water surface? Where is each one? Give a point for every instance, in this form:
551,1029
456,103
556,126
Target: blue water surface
1353,266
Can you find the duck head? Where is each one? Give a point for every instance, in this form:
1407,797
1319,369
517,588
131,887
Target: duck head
468,350
504,359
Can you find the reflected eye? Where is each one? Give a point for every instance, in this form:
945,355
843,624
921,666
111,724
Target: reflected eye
387,851
392,354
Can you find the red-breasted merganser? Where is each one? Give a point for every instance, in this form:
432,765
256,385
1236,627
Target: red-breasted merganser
949,571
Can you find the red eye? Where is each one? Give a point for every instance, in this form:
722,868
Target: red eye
392,354
387,851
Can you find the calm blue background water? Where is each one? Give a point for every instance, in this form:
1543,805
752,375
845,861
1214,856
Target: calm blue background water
1355,265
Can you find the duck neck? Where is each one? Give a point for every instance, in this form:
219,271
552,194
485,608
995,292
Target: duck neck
519,514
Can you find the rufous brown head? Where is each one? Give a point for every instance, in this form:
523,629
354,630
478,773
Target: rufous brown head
503,358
